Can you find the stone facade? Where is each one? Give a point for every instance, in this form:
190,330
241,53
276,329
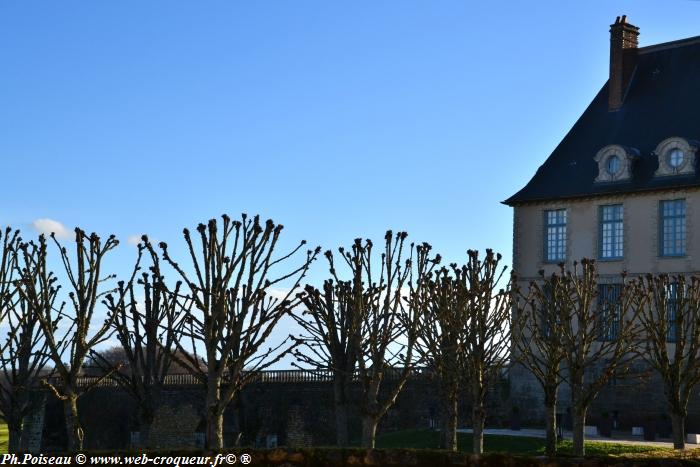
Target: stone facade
634,147
631,400
640,235
638,396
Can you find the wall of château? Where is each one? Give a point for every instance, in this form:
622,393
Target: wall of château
284,412
631,400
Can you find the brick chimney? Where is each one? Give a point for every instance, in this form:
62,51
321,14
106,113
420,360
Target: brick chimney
623,59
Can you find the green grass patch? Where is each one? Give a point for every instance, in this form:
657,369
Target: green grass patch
4,436
519,445
429,439
603,449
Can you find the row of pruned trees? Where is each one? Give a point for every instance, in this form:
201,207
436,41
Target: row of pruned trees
377,317
569,327
400,310
211,322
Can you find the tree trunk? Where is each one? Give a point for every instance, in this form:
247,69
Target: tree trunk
147,413
478,420
678,423
341,424
578,415
550,414
14,428
215,429
214,439
369,431
448,433
145,434
73,428
341,412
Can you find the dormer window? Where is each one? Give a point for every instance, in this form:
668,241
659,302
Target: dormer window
615,163
676,156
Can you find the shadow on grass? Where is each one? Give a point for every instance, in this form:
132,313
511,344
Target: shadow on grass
520,445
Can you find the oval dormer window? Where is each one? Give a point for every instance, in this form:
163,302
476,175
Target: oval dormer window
676,157
613,165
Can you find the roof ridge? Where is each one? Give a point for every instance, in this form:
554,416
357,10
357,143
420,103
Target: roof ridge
669,45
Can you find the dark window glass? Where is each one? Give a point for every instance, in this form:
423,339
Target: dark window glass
609,311
672,311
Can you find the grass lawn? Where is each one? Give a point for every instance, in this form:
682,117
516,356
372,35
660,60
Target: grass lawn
428,439
3,438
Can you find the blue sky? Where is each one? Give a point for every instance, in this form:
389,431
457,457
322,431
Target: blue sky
336,119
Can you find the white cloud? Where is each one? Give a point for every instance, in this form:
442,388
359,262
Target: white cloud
133,240
47,226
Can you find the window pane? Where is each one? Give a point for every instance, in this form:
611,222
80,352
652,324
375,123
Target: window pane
672,228
611,231
555,235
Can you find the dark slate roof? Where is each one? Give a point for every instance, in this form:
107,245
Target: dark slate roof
663,100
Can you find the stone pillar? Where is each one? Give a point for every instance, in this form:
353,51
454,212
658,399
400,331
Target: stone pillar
33,425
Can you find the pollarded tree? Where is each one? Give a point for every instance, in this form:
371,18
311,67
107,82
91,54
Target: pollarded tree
332,320
23,351
486,335
147,334
599,329
537,341
362,326
390,324
670,317
69,332
440,344
235,308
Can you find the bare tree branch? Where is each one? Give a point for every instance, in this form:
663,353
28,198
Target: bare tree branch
39,289
23,352
669,313
234,310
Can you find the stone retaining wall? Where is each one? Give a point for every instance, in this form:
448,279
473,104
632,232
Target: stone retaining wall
294,413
